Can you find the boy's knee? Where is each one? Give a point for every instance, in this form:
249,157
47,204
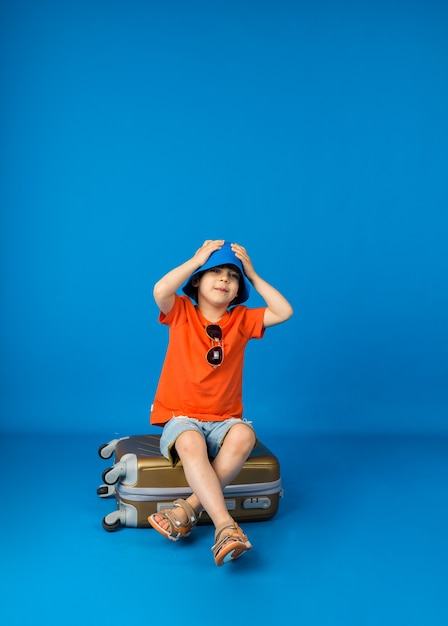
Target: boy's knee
190,441
242,435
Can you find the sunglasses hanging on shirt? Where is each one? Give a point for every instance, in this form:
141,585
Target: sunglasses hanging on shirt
215,355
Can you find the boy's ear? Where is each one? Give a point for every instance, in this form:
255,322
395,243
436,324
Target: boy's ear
195,281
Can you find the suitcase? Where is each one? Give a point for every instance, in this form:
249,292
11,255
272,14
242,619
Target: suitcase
143,482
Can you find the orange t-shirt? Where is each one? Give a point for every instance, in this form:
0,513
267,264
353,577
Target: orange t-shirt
188,384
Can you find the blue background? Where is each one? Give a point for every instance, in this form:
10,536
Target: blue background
316,135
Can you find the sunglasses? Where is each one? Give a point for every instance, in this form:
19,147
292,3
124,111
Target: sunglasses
215,355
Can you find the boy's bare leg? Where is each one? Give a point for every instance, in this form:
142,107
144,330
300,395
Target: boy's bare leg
206,479
236,448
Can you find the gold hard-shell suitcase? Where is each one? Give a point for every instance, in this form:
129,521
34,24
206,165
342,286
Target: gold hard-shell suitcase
144,482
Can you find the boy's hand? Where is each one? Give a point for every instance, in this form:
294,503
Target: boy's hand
242,255
209,246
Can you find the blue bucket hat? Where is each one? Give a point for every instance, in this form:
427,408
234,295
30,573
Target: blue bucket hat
224,256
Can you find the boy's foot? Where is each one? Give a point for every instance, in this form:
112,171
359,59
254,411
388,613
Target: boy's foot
175,523
230,543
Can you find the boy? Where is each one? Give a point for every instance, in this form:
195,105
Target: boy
199,396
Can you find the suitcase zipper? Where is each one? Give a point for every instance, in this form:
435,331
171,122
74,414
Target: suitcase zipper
143,494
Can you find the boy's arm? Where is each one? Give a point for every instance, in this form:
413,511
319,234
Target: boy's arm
165,289
278,309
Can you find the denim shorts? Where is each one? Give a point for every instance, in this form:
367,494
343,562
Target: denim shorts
214,434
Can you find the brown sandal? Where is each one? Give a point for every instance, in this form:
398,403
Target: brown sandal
177,529
230,543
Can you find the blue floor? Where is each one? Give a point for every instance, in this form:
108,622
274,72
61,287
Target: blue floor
360,538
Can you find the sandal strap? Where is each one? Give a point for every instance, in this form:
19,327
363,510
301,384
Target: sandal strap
226,532
190,512
181,528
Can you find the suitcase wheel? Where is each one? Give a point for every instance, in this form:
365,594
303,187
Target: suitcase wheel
107,449
112,522
111,475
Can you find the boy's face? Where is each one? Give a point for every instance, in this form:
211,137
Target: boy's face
219,284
